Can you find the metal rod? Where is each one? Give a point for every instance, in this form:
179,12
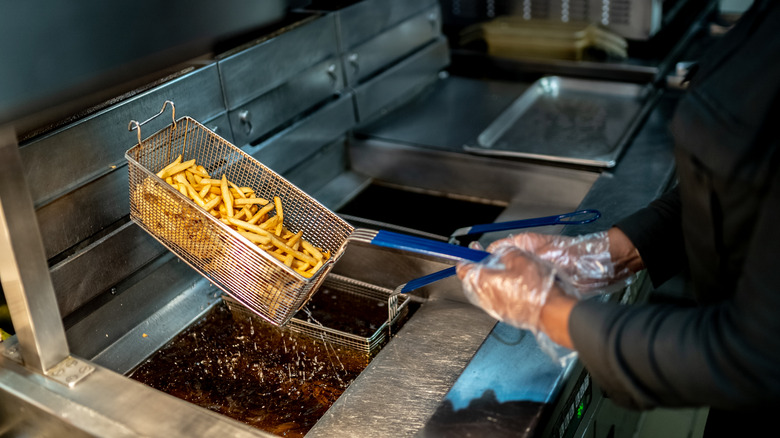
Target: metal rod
23,268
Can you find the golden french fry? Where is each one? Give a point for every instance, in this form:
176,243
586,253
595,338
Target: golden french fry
254,237
237,190
260,213
294,239
312,250
212,203
226,196
195,196
270,223
317,266
278,204
199,171
251,201
190,178
205,191
176,169
162,173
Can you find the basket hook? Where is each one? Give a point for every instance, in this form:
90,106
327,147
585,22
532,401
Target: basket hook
136,125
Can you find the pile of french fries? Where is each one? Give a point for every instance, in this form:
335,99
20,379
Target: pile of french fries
259,220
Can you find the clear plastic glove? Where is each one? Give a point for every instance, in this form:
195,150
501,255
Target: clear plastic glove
510,284
513,286
585,262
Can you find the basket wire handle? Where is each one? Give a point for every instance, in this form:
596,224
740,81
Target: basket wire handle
135,125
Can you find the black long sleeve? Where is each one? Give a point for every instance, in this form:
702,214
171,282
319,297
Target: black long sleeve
656,232
723,355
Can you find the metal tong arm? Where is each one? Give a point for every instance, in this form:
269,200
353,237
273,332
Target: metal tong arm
573,218
425,280
389,239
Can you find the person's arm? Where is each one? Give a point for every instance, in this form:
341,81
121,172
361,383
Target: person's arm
655,232
724,355
555,313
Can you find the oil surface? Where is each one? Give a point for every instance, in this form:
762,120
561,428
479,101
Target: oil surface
266,377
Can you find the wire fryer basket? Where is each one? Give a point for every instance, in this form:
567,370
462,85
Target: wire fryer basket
367,345
230,261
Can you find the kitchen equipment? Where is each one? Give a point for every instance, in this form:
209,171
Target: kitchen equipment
578,121
349,337
586,216
250,275
233,263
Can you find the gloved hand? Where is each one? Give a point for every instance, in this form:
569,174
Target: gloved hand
585,262
510,284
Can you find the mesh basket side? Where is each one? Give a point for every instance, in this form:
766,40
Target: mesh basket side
230,261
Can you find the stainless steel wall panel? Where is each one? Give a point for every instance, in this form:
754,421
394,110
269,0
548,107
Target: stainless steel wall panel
63,160
327,164
72,218
362,21
260,68
295,144
95,205
392,45
255,119
403,79
221,126
141,296
101,265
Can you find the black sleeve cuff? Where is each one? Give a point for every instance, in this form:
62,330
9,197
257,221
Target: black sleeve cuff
656,232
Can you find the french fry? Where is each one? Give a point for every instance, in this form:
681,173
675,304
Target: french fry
260,213
237,190
251,216
175,169
251,201
199,171
205,191
312,250
213,203
162,174
226,196
254,237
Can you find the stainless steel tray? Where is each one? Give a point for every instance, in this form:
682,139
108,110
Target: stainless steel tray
587,122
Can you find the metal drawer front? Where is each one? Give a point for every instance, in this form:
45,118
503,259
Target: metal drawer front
258,69
400,81
390,46
59,162
257,118
297,143
362,21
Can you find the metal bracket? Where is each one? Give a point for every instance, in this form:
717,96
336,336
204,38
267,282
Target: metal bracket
12,350
70,371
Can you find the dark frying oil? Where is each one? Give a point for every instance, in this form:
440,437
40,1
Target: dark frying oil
266,377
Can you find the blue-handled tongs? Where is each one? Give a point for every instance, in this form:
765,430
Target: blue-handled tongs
451,250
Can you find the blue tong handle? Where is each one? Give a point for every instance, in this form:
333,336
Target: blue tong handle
389,239
573,218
